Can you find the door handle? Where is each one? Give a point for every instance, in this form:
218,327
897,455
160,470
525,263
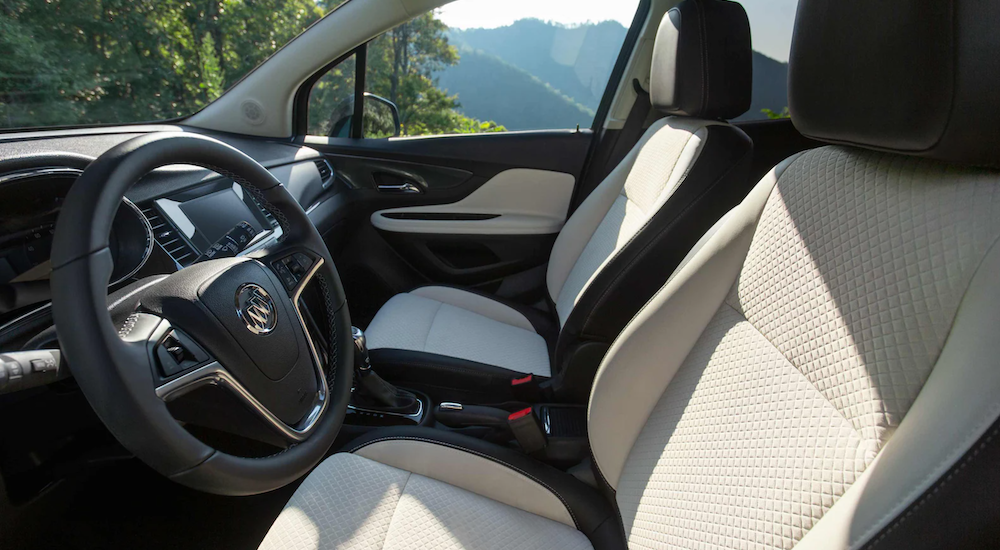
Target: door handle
406,187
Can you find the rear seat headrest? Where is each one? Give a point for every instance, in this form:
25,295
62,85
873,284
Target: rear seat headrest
702,64
920,77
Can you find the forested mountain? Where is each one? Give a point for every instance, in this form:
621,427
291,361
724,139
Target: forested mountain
534,74
770,87
70,62
497,90
576,61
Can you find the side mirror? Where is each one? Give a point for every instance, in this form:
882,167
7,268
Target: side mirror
381,118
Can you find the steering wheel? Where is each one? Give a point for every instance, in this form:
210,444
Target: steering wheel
230,322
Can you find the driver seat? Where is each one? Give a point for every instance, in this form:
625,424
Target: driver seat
820,372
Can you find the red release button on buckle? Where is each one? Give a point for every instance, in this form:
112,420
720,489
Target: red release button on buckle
519,381
519,414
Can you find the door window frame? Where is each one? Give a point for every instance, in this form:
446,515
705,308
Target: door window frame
300,107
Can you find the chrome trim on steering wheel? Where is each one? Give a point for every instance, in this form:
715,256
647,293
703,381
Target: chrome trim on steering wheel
214,374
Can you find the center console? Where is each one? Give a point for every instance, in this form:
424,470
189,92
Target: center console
377,403
553,433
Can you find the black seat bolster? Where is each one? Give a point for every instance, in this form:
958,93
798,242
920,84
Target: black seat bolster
595,516
445,378
717,182
960,510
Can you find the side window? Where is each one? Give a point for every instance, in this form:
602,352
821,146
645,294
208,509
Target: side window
331,100
472,67
771,23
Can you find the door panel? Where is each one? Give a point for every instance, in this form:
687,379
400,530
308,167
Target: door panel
519,201
482,211
471,260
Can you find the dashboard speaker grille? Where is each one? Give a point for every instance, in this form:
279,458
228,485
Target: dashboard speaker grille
168,238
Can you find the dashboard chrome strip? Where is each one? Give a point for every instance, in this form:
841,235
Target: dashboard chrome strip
40,172
149,235
10,324
215,374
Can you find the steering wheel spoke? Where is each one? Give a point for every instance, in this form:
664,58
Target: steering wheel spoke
214,374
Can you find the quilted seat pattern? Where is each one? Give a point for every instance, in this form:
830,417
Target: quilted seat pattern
353,503
852,281
740,452
857,269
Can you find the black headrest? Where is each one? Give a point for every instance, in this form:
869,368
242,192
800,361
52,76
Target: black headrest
702,64
920,77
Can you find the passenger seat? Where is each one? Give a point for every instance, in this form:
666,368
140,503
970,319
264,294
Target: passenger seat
617,248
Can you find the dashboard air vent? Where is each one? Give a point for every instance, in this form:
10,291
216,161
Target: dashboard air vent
267,214
325,171
169,239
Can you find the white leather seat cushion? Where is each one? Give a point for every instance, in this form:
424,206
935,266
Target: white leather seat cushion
350,502
452,322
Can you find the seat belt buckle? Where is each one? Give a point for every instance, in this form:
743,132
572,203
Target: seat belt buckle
526,429
526,389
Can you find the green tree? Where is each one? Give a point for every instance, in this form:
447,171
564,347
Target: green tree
107,61
775,115
401,67
66,62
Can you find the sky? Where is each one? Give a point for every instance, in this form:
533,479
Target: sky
770,20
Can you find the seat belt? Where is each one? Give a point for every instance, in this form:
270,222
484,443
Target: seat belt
635,125
606,158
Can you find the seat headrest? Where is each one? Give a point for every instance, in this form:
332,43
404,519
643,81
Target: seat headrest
919,77
702,64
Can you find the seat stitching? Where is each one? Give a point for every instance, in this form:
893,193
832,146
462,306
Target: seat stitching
932,492
479,454
430,326
395,508
993,413
804,377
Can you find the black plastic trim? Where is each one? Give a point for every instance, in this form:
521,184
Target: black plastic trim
360,71
716,183
444,378
960,510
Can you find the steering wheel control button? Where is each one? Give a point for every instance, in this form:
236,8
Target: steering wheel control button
177,353
288,278
255,306
303,261
291,269
230,244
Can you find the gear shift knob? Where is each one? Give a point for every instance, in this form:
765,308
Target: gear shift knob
361,359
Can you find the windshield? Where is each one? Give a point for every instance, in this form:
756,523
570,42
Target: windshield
77,62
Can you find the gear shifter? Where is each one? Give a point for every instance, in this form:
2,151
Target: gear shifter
371,391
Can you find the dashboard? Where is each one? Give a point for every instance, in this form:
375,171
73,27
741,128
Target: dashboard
167,221
29,205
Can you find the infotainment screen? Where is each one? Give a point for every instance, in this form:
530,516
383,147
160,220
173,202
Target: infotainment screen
216,213
204,217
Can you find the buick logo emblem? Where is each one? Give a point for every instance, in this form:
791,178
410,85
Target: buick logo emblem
255,306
